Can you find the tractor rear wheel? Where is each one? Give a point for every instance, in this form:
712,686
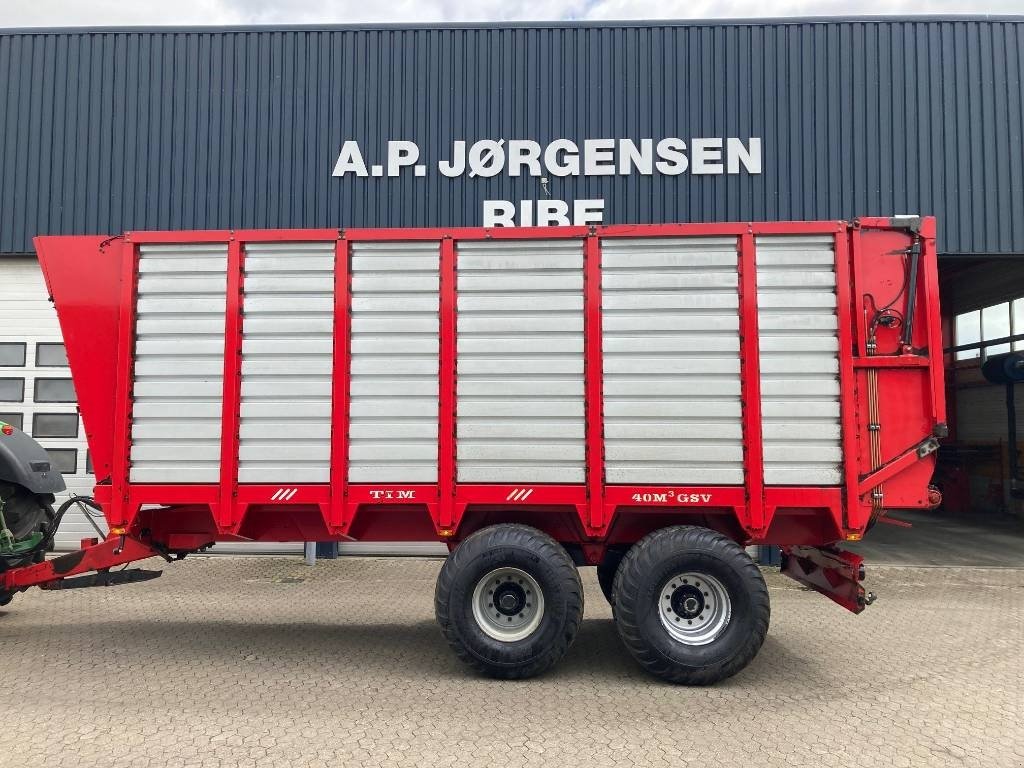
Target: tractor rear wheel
28,519
23,511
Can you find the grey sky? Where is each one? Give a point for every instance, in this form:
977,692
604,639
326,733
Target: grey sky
24,13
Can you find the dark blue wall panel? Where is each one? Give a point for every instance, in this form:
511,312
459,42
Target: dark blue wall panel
102,131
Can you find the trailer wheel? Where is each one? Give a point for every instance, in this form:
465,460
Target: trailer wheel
509,601
691,606
606,571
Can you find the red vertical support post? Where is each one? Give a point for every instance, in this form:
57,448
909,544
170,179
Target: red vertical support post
447,361
593,382
340,394
845,307
232,392
120,474
750,367
860,326
932,318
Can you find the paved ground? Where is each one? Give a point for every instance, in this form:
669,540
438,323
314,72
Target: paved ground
264,661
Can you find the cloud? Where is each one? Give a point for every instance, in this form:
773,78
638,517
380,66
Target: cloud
26,13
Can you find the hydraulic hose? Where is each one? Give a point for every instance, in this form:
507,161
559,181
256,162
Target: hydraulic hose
85,501
29,556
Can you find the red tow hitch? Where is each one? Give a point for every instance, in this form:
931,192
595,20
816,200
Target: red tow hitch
99,557
835,573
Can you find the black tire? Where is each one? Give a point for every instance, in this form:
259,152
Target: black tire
606,571
551,568
25,513
646,578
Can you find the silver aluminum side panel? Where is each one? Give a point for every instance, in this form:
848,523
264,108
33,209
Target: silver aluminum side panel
287,355
799,342
670,335
520,362
394,363
179,364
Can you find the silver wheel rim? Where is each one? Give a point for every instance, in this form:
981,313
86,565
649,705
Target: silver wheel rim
508,604
694,608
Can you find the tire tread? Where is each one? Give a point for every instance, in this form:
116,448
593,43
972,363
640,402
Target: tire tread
545,547
643,558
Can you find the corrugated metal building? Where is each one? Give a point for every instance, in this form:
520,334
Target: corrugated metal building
112,130
103,131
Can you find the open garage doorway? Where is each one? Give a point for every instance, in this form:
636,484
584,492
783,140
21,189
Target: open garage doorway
981,518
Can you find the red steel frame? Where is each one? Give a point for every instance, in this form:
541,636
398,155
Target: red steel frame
593,384
596,510
750,383
337,515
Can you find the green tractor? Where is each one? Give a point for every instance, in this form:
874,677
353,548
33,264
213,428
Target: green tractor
28,484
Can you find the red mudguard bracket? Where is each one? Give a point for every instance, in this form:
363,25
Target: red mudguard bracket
835,573
106,554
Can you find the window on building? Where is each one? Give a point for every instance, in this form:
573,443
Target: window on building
65,460
51,355
995,324
1017,318
12,353
12,390
55,425
996,321
54,391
